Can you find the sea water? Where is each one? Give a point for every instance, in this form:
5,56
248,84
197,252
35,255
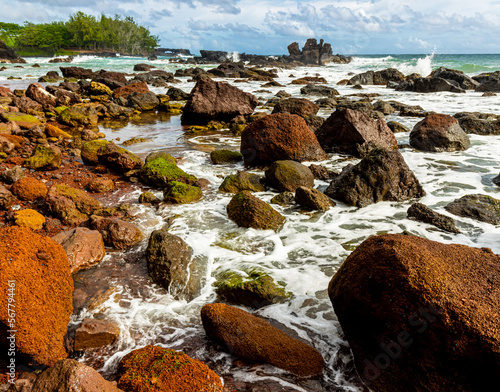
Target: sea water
307,252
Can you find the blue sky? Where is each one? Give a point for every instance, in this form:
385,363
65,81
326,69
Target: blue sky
268,26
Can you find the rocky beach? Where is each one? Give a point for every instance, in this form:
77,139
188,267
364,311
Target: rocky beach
307,222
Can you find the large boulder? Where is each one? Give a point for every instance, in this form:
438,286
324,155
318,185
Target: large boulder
116,232
45,158
84,247
37,93
437,133
377,77
463,80
483,208
354,132
247,210
489,82
217,101
69,375
169,264
420,315
279,137
300,106
158,369
381,176
77,73
36,276
289,175
251,338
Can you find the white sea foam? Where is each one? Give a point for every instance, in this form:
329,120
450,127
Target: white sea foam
422,67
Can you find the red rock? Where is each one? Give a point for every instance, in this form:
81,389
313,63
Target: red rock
353,132
253,339
165,371
84,247
37,93
40,280
420,315
279,137
100,184
72,376
95,333
117,233
299,106
218,101
125,91
6,92
29,188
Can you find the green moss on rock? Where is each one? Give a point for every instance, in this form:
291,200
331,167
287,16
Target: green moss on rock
90,149
25,121
242,181
161,170
180,193
45,158
225,156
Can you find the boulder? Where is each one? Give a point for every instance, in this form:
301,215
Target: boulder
430,85
44,158
322,173
170,265
125,91
289,175
255,290
77,73
463,80
491,86
420,315
253,339
101,184
148,198
218,101
284,199
118,158
116,232
84,247
242,181
36,272
79,115
225,156
300,106
143,101
8,55
160,169
279,137
165,370
72,376
353,132
247,210
479,123
313,199
70,205
381,176
93,333
422,213
483,208
319,91
24,121
437,133
100,89
176,94
142,67
29,189
29,218
37,93
177,192
6,197
89,151
397,127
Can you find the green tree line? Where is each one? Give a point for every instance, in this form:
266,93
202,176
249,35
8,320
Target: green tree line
82,31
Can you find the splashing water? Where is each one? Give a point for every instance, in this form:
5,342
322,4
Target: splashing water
422,67
235,56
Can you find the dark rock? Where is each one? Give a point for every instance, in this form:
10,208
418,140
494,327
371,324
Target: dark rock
116,232
289,175
56,60
218,101
464,81
176,94
225,156
322,173
77,73
479,207
422,213
412,312
118,158
378,77
180,193
284,199
247,210
242,181
299,106
479,123
8,55
381,176
353,132
321,91
93,333
148,198
439,132
314,122
160,169
430,85
396,127
279,137
313,199
253,339
143,101
142,67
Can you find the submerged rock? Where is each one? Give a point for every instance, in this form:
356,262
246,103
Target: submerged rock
154,368
247,210
420,315
422,213
289,175
253,339
480,207
381,176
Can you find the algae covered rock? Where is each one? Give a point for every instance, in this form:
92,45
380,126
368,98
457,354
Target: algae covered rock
90,149
242,181
24,121
179,193
45,158
148,197
78,115
289,175
483,208
160,169
154,368
253,339
225,156
284,199
72,206
247,210
255,290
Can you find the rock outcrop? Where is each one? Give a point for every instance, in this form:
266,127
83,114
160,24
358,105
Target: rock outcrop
8,55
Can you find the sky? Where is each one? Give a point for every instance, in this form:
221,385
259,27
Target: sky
269,26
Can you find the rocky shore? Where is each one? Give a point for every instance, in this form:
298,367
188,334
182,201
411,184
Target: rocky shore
419,315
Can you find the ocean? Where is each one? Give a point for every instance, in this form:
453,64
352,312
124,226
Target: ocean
309,249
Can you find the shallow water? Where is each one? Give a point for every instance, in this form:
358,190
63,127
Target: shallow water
307,252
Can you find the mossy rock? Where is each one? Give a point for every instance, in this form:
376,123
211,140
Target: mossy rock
90,149
483,208
242,181
60,109
180,193
225,156
247,210
29,218
284,199
24,121
82,114
160,169
100,89
53,131
148,197
44,158
72,206
237,129
256,290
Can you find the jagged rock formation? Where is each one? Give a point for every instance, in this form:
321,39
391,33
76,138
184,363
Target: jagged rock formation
314,53
8,55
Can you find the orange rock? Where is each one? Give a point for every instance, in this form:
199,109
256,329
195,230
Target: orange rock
29,218
125,91
157,369
95,333
36,271
29,188
253,339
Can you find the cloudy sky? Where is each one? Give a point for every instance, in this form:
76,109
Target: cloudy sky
268,26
